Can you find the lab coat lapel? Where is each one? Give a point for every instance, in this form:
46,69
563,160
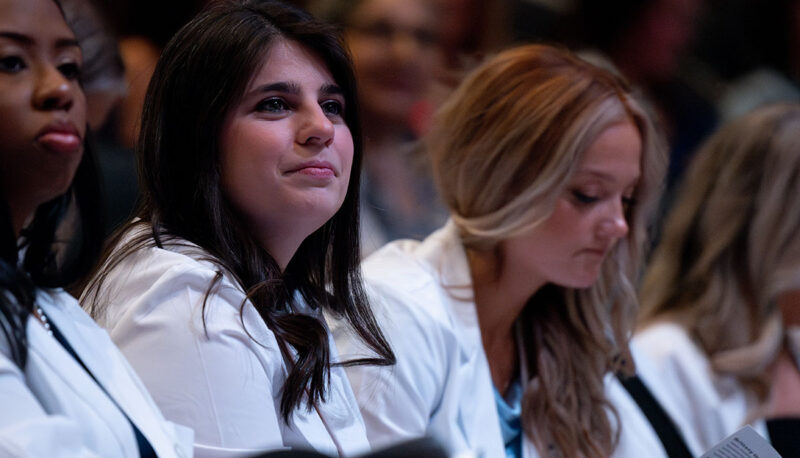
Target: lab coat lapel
446,253
95,348
70,374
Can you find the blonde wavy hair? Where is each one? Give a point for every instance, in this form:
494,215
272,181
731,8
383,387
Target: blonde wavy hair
731,244
504,147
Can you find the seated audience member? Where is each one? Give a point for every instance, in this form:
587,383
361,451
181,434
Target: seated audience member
65,389
712,345
509,322
249,154
396,50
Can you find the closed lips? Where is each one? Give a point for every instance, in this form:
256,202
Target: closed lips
60,138
314,168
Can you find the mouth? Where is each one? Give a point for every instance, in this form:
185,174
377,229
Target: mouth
599,252
60,137
319,169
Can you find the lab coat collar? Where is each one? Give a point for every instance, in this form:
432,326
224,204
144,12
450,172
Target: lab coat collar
445,252
95,348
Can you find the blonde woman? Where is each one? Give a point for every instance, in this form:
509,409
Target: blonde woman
712,342
508,320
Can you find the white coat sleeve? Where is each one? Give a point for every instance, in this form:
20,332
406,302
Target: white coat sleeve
397,402
25,428
200,365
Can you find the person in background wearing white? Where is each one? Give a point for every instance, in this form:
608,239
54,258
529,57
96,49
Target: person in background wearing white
249,152
65,389
508,322
712,344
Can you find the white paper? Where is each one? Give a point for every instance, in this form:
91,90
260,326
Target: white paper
744,443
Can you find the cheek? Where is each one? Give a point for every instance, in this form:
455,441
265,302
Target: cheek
344,151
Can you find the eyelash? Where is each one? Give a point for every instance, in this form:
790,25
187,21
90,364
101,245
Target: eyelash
12,64
330,107
333,103
15,64
585,199
70,70
268,105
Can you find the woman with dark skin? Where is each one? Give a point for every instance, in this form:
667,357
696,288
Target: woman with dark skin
64,387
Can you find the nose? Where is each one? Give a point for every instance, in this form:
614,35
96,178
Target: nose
316,128
614,224
53,90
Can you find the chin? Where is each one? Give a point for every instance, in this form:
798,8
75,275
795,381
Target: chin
583,281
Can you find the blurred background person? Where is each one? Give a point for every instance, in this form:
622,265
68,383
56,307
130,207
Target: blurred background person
104,83
649,41
749,52
711,343
396,47
123,40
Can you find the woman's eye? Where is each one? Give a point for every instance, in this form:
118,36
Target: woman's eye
273,105
11,64
584,198
71,70
332,108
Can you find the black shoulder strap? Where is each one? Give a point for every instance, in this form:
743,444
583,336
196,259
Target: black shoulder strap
783,434
667,432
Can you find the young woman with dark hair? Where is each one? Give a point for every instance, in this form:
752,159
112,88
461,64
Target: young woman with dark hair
249,155
65,389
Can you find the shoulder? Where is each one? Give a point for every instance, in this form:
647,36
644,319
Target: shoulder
706,406
411,280
667,346
178,275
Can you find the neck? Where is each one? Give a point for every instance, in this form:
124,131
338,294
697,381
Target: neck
499,300
20,216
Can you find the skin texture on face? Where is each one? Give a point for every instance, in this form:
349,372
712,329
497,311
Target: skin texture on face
42,107
286,152
395,49
569,247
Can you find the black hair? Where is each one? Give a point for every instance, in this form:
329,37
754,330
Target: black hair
50,260
202,74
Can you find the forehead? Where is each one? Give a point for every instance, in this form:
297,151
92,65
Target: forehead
615,155
37,19
287,60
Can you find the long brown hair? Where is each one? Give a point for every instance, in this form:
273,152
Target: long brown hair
201,74
504,147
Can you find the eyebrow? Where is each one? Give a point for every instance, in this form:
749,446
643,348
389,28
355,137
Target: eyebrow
28,41
602,175
294,88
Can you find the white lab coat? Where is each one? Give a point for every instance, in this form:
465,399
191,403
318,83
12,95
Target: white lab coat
707,407
222,377
54,409
441,385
